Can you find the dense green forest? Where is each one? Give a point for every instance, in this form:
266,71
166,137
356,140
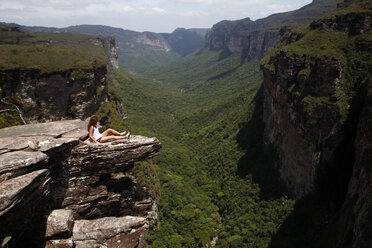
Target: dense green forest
218,183
215,174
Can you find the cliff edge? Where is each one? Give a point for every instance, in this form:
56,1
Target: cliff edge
60,190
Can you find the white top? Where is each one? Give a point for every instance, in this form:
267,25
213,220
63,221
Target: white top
96,134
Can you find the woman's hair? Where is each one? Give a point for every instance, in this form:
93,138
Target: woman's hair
93,121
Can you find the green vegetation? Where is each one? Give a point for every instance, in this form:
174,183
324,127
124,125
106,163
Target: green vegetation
201,110
6,241
49,52
24,56
139,52
138,62
336,49
214,178
217,177
313,105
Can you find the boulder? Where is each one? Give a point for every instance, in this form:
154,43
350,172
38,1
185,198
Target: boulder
113,231
59,243
59,222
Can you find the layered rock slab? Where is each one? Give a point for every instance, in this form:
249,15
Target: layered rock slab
48,166
87,192
115,232
19,201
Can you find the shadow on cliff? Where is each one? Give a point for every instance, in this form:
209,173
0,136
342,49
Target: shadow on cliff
259,158
322,218
34,235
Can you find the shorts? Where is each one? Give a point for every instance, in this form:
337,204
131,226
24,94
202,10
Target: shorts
99,139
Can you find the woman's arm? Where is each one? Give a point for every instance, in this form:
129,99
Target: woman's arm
91,128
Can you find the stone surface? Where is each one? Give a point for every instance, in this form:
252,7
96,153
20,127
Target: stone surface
107,230
112,156
60,243
54,129
22,202
86,195
17,163
59,222
355,224
16,190
305,140
58,94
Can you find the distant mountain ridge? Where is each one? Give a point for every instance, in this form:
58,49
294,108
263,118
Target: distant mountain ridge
138,51
254,38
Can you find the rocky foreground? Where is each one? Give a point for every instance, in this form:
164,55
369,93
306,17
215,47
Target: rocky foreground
57,188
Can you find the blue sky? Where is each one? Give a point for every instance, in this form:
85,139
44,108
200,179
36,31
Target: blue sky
139,15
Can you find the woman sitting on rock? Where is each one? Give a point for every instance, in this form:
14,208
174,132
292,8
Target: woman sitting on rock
109,134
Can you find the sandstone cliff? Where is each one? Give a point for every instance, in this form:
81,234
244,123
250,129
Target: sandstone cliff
255,38
58,190
317,113
67,80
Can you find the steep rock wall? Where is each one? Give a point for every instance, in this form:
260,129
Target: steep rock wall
317,113
306,134
253,43
255,38
42,97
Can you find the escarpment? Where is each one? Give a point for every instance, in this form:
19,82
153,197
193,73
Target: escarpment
74,193
241,36
53,76
317,114
254,38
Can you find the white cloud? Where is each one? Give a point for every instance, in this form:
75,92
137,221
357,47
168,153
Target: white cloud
194,13
159,10
127,8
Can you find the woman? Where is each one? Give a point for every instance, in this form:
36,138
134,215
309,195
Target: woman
109,134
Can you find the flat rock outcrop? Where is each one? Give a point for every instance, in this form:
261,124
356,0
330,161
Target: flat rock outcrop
60,178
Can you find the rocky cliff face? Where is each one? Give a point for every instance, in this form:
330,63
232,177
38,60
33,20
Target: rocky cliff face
57,190
74,91
300,120
56,95
241,36
255,38
317,113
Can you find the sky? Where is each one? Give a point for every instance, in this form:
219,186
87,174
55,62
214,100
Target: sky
139,15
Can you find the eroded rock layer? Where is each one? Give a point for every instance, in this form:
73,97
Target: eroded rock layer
50,174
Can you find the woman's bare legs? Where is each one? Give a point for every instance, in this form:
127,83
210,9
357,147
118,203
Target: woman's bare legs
111,137
110,131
